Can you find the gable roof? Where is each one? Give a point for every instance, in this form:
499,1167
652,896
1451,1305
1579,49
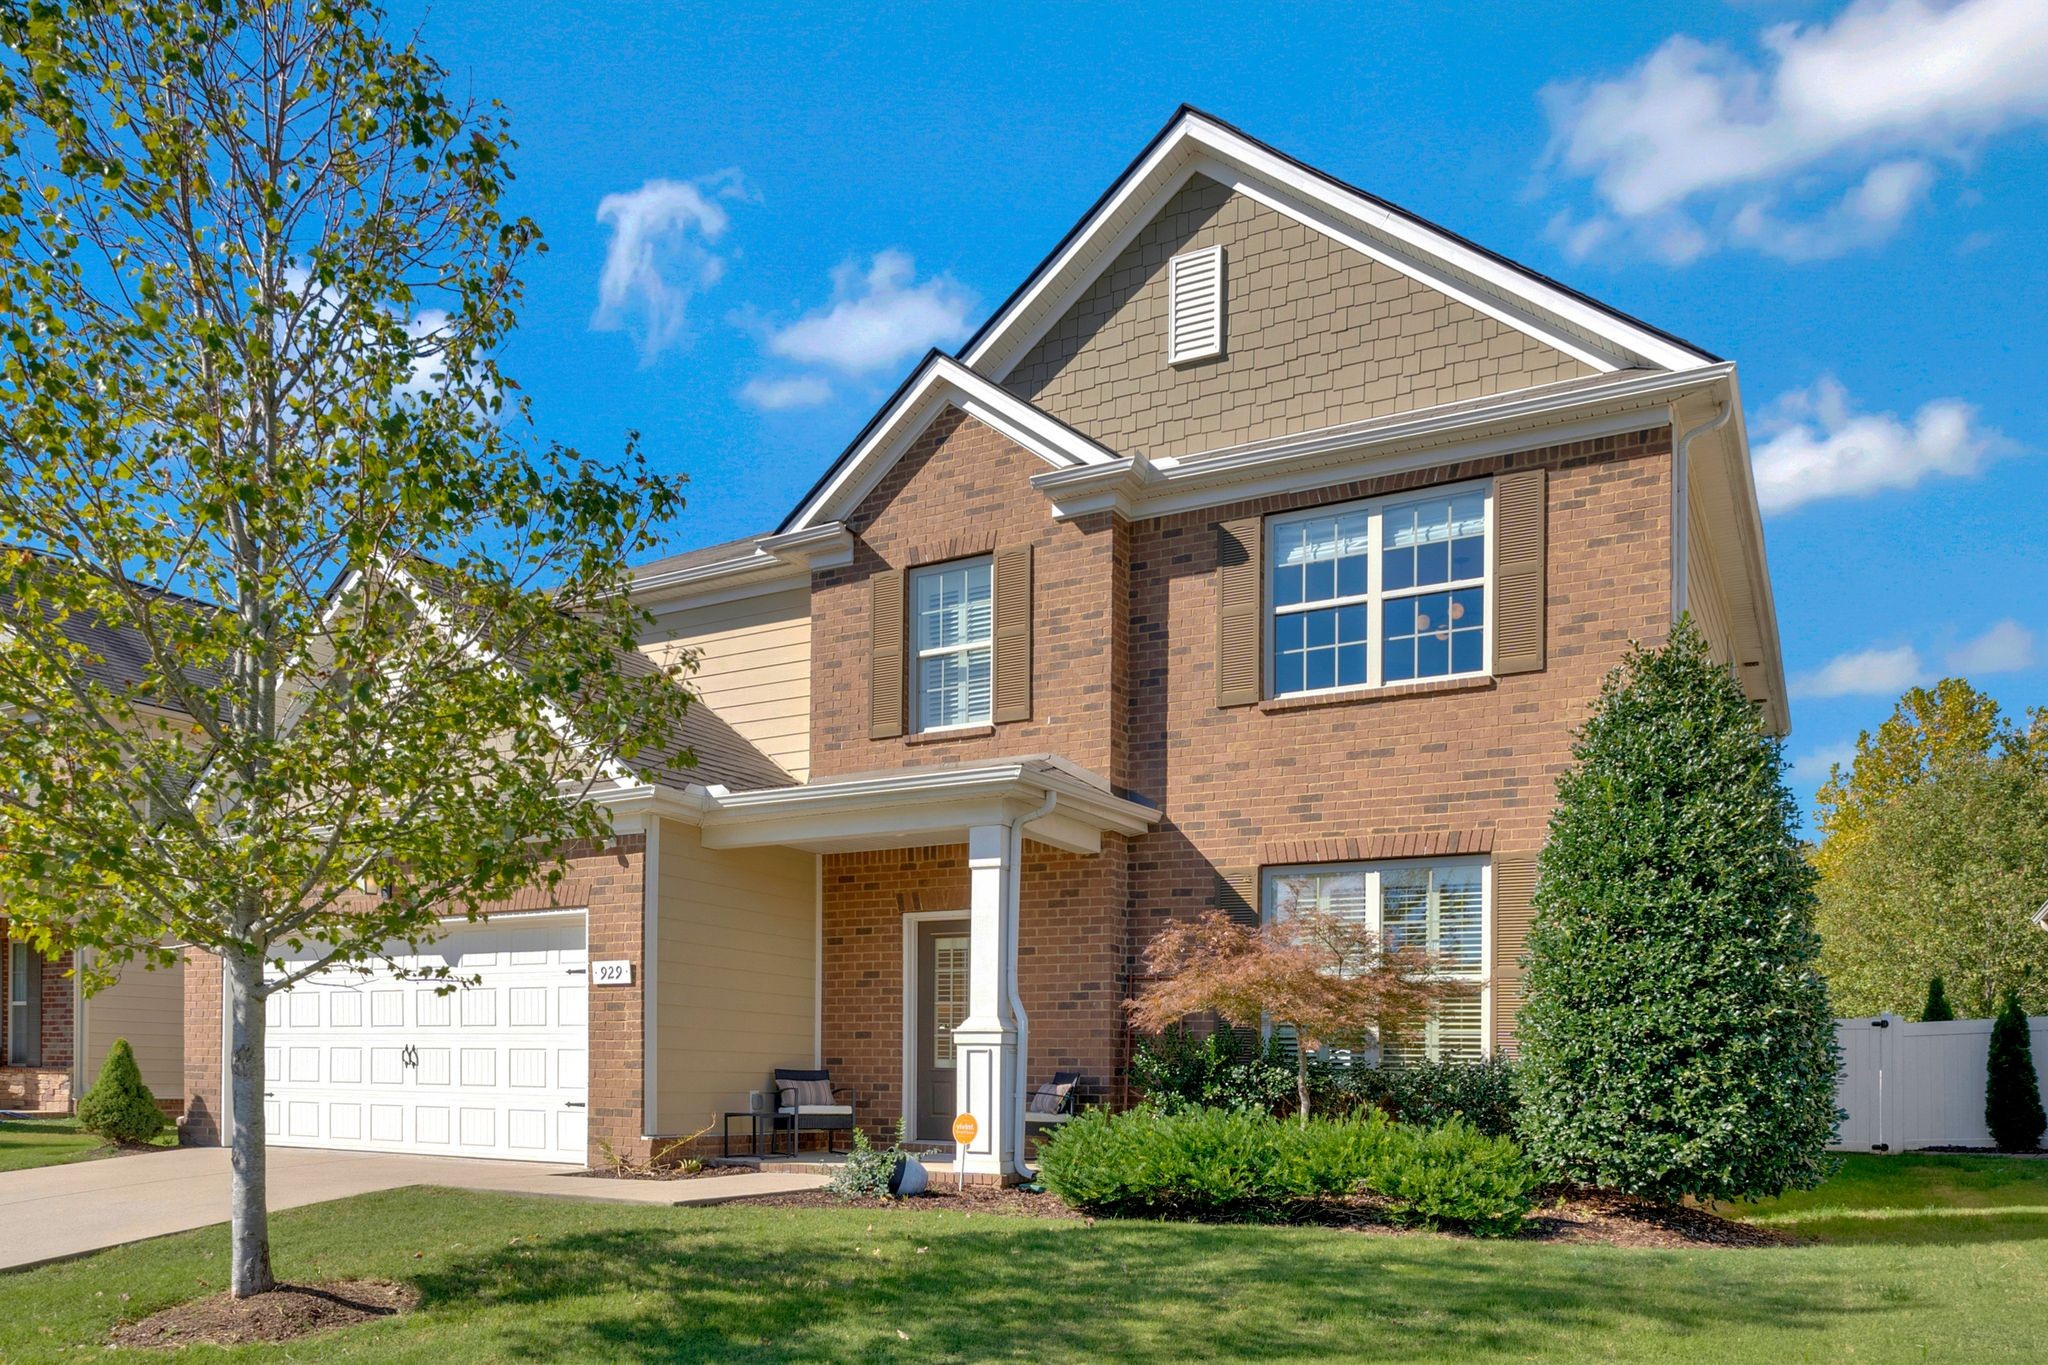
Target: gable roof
938,382
1194,142
117,655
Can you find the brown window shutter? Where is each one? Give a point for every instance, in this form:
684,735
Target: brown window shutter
1238,628
885,655
1519,588
1514,890
1013,634
1237,894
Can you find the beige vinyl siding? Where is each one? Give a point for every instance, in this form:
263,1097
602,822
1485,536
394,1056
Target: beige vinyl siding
754,668
737,957
148,1009
1314,334
1704,596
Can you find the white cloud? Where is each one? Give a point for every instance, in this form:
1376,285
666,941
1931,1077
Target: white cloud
660,256
1865,673
1811,768
793,391
1817,447
2008,647
878,318
1699,143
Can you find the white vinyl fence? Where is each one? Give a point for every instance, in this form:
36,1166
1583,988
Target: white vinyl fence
1918,1085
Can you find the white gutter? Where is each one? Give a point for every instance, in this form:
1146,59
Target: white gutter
1013,934
1681,507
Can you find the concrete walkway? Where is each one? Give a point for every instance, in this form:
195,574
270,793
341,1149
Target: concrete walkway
56,1212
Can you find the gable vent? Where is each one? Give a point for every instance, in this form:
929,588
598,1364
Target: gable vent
1194,306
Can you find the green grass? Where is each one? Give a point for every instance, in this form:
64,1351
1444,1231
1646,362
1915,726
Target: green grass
1917,1200
25,1143
506,1278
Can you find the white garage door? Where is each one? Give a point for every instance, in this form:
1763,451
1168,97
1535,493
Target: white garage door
496,1069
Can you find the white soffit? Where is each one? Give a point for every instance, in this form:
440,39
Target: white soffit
1196,144
940,382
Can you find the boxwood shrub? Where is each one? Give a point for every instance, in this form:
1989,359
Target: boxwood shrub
1212,1163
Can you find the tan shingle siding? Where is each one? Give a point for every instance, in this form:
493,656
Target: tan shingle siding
1315,334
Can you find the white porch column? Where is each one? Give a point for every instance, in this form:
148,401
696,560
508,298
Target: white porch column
985,1043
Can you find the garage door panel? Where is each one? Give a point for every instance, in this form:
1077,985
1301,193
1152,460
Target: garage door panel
498,1067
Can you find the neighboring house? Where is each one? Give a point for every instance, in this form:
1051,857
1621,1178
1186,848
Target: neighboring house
53,1036
1264,547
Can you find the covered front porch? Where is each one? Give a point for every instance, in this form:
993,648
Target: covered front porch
973,927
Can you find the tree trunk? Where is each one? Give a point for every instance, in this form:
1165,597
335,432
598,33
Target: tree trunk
1301,1076
249,1211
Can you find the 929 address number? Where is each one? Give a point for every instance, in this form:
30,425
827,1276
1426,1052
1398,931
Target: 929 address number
617,973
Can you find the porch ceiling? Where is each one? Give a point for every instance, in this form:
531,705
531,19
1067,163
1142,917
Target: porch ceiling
918,806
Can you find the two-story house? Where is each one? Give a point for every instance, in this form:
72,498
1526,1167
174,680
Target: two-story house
1263,548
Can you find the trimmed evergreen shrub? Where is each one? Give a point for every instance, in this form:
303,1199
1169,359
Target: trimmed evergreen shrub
1936,1010
2012,1093
1218,1163
1481,1093
1676,1039
119,1107
1177,1071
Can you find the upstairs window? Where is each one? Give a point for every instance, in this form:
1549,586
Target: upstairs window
953,606
1384,592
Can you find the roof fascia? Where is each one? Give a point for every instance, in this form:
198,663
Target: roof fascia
939,382
775,562
1195,141
1135,487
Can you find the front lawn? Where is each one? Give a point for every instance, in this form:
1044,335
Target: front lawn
508,1278
1913,1199
54,1142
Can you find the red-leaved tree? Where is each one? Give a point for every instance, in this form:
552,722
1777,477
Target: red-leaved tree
1321,974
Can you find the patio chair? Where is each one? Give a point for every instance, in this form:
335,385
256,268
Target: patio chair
1052,1103
808,1102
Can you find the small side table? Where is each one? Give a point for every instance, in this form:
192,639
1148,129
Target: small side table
753,1118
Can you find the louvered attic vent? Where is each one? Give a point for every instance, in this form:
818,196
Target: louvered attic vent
1194,306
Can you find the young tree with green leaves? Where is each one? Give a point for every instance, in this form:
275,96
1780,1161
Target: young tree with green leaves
1935,1009
2012,1092
1676,1037
253,273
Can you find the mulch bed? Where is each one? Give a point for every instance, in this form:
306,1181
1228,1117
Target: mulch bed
286,1313
1594,1217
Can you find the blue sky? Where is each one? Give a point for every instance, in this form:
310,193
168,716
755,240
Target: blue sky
758,221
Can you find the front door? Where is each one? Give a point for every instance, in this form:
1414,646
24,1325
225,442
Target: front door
941,1003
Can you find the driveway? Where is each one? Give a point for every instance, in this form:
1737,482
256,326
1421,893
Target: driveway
59,1211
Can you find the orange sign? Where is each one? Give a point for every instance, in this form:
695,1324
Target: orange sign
964,1129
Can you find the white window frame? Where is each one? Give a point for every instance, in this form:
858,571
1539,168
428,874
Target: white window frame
918,654
1372,871
1376,596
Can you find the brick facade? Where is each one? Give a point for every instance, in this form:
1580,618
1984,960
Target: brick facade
1124,617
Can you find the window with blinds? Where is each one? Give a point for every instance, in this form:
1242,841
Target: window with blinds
949,995
1437,906
1194,305
953,606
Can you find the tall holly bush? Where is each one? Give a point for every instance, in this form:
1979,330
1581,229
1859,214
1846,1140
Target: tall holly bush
1676,1039
2012,1093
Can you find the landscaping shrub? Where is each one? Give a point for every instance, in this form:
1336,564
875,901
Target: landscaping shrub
1676,1038
1222,1164
866,1172
1481,1093
119,1107
2012,1095
1177,1071
1936,1010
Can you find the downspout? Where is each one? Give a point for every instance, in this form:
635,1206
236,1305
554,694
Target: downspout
1681,508
1013,917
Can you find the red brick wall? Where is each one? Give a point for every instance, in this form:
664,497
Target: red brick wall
1476,762
1415,771
1070,968
608,883
961,489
